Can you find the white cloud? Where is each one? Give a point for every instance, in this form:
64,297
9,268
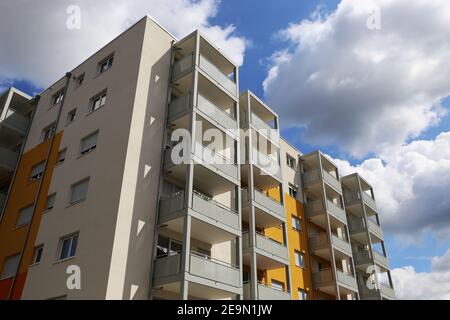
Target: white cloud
38,47
364,90
435,285
412,186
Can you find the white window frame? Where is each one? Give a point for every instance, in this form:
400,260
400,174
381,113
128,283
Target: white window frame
93,147
72,187
290,161
279,285
49,131
299,259
46,204
101,98
3,277
39,175
294,190
23,224
107,62
71,116
61,152
61,246
294,225
57,97
80,80
303,293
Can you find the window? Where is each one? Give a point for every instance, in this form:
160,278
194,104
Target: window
61,156
58,97
68,247
277,285
79,191
50,202
98,101
49,132
293,191
290,161
38,171
105,64
71,116
296,223
37,255
79,80
299,259
302,294
89,143
10,267
167,246
25,216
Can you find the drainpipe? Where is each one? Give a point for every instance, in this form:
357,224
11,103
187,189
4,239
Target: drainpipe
37,196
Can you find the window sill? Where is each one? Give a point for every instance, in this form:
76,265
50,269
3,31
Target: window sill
93,111
34,264
103,72
85,154
63,260
76,202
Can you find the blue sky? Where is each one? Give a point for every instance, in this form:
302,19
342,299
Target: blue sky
259,21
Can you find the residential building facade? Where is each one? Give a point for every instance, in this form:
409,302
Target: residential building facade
144,173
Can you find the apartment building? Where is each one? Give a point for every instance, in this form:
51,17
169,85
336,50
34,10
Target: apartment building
144,173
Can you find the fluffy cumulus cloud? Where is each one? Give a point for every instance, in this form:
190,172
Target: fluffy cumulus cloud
434,285
345,81
37,45
412,186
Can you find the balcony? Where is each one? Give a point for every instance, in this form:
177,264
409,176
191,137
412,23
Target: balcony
362,258
266,203
265,129
8,159
347,280
369,201
214,270
341,245
221,78
179,106
265,292
315,209
215,113
375,228
168,269
323,278
15,121
368,294
215,210
171,207
387,291
216,162
267,247
332,181
356,226
380,259
183,65
266,163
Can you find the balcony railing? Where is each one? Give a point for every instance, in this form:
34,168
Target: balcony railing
217,114
268,204
215,210
171,205
341,245
347,279
362,258
331,180
215,270
265,129
387,291
380,259
166,266
8,159
375,228
319,241
179,106
16,121
314,208
266,292
219,161
322,278
218,75
369,201
266,163
183,65
356,225
311,177
266,244
336,211
351,198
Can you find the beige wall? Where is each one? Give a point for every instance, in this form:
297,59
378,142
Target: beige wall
290,175
107,220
